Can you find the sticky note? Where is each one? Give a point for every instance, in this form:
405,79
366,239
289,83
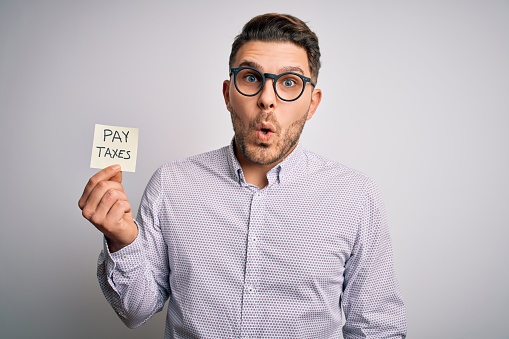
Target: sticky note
114,145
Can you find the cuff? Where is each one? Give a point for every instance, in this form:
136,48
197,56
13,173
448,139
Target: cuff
123,260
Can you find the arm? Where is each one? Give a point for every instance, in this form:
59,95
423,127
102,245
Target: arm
129,269
371,298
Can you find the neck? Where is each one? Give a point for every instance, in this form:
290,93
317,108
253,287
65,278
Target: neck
254,174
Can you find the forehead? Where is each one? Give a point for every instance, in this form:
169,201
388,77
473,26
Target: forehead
273,56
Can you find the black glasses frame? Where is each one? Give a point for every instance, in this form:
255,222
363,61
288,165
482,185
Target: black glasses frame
274,78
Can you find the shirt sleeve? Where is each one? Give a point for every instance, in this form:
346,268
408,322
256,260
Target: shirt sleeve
134,280
371,298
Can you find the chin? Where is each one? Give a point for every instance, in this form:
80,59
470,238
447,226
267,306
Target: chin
262,155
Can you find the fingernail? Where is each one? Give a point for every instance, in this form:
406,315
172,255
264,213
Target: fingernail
116,167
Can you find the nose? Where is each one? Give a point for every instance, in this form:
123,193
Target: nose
267,99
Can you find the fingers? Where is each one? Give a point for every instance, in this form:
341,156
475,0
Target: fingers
120,228
100,189
111,173
109,210
105,204
116,215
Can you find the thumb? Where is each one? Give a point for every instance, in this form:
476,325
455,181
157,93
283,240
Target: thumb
117,177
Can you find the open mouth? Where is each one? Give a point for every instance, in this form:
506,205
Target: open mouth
265,134
265,131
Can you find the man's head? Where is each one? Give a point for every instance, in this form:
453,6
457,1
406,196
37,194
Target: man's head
273,27
271,92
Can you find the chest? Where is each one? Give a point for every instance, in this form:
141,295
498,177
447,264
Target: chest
272,234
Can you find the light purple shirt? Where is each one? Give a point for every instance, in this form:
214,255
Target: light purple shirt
236,261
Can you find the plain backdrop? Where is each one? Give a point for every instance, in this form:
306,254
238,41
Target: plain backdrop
415,94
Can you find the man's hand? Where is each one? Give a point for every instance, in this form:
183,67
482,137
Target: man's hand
105,204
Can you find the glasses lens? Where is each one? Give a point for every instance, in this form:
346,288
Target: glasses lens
289,86
249,81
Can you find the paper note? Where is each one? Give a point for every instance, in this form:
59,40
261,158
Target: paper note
114,145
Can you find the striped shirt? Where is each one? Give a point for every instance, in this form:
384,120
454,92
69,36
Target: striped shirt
236,261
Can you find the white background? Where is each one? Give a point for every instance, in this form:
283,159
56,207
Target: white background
416,95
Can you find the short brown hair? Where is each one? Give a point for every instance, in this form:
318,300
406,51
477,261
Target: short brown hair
272,27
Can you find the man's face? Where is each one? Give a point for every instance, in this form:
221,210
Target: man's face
267,128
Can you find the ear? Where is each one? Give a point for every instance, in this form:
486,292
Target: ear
316,97
226,93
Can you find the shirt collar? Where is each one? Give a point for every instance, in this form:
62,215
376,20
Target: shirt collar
286,170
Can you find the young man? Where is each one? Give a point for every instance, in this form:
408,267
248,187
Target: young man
259,239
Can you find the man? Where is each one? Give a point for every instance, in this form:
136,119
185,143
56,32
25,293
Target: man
260,239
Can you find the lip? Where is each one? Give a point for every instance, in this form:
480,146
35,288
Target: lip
266,126
265,130
264,136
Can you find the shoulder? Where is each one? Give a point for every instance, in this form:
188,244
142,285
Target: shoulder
319,166
195,168
209,159
335,179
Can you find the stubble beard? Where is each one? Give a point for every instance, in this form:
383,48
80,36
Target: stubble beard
265,153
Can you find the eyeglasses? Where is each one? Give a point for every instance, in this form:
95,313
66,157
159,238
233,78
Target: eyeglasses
288,86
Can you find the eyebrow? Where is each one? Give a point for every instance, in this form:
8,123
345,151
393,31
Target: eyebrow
281,70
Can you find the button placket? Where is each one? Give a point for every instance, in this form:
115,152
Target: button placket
252,271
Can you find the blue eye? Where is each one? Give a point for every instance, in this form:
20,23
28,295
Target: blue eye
251,78
288,83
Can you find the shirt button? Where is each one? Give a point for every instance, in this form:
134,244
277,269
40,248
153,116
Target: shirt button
250,289
255,239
